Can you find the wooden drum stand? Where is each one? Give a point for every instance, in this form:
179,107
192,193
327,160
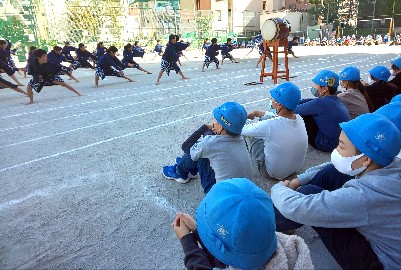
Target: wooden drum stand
275,72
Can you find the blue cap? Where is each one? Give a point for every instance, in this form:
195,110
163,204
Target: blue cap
350,73
397,62
397,98
375,136
236,223
393,113
232,116
326,78
287,94
380,73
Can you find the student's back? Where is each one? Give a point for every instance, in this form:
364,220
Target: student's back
227,154
380,93
286,147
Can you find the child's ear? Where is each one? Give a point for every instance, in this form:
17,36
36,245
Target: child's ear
367,161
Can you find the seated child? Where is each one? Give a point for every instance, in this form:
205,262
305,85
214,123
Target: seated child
357,219
217,157
278,145
235,227
323,114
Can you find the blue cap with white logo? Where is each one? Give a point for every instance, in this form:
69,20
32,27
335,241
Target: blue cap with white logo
236,223
232,116
381,73
350,73
326,78
375,136
287,94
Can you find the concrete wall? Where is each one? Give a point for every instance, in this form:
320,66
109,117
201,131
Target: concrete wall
245,15
220,18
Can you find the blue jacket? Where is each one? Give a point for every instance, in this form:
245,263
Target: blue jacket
327,112
54,57
67,50
128,56
213,50
107,61
100,52
171,53
84,55
226,48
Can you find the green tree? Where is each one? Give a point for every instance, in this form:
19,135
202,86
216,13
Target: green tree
324,11
13,30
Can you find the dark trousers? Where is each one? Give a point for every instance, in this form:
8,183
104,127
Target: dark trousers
349,248
206,172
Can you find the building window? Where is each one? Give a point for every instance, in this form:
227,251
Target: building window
218,15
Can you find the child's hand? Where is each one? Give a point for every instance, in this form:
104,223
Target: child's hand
188,220
180,228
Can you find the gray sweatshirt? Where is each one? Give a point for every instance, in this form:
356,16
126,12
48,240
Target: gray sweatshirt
371,204
228,156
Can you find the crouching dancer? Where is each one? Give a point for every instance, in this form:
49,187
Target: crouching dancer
44,73
110,65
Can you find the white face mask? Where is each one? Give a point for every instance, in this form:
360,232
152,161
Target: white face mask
370,80
343,164
393,72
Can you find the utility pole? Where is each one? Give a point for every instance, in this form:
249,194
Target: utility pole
373,17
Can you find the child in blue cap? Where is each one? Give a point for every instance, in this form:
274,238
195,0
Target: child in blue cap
235,227
278,145
379,90
354,96
358,221
396,72
323,114
220,155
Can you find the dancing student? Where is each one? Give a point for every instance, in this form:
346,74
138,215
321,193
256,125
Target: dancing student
128,59
5,56
4,66
293,42
44,73
31,57
169,60
225,51
258,38
67,49
110,65
100,50
158,49
57,57
262,51
137,49
211,54
83,58
205,45
181,46
6,84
